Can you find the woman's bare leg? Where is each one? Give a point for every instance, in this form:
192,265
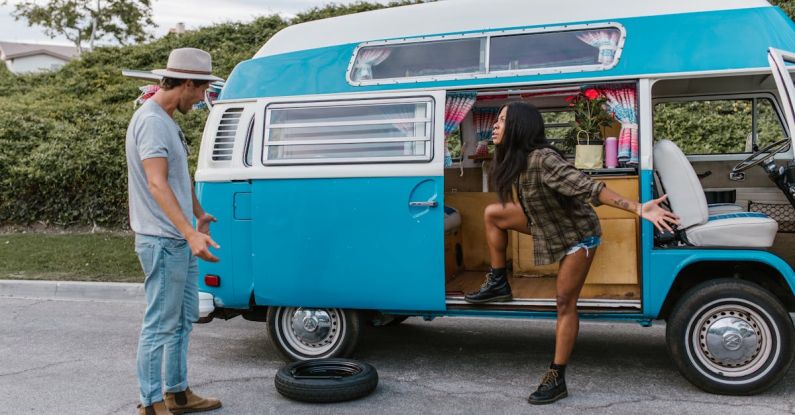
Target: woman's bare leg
571,277
499,219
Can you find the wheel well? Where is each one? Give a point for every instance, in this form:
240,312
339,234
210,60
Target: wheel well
759,273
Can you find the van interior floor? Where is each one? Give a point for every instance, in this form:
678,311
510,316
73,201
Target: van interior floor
537,293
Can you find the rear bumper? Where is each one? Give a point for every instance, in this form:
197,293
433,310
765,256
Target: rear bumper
206,307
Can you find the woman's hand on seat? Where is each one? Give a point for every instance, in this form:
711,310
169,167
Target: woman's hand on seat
661,218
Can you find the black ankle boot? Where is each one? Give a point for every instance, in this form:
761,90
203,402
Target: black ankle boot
551,389
495,288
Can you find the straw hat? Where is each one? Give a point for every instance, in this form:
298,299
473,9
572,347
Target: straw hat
188,63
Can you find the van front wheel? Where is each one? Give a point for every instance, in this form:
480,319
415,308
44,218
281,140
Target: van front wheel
730,337
300,333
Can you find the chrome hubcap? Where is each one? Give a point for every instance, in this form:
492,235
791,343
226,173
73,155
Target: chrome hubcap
311,326
732,340
311,331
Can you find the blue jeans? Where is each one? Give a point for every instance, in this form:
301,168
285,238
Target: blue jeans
172,305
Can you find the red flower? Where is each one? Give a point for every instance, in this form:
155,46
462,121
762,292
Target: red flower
591,94
569,98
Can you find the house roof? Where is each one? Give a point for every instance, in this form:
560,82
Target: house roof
13,50
455,16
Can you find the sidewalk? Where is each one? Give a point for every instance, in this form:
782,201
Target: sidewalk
73,290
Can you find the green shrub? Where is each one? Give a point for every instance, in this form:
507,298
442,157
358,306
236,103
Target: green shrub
62,134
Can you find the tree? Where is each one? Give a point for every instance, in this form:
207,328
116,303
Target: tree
89,20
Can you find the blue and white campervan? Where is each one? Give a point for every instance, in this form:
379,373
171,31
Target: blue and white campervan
327,160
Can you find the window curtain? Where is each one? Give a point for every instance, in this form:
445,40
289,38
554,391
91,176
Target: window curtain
363,68
456,108
604,40
484,119
621,102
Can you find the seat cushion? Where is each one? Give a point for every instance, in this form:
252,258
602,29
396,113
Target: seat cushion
743,229
721,208
452,219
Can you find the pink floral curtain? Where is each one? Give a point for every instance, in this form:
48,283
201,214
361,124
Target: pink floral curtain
483,119
621,102
456,108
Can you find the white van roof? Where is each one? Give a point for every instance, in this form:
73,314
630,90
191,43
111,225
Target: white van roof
455,16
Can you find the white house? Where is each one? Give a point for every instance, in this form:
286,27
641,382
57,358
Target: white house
30,57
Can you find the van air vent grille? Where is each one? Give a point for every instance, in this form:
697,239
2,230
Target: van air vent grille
225,136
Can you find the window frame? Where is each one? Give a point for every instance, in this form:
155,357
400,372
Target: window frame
727,97
487,36
428,138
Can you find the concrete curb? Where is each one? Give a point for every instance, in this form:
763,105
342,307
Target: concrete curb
73,290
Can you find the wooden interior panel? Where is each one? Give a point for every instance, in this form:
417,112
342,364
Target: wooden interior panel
471,206
626,186
617,259
524,287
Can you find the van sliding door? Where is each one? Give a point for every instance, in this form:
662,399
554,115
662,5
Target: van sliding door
348,203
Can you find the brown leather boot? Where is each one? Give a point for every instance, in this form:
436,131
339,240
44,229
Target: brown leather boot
183,402
157,408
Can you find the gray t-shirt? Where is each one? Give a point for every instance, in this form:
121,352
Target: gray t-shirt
153,133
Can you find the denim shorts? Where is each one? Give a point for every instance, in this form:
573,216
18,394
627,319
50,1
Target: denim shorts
587,243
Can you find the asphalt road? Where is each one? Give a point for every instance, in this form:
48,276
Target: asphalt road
78,357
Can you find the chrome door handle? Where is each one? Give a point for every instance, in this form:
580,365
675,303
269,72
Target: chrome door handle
430,203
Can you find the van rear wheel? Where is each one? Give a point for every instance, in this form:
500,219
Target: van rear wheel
730,337
301,333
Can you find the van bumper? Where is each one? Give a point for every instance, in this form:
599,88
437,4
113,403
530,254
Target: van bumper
206,307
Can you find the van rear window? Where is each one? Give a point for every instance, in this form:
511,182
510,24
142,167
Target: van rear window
349,132
489,54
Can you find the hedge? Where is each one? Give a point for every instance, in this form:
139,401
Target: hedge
62,134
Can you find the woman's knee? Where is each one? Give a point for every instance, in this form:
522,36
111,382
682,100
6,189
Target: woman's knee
566,303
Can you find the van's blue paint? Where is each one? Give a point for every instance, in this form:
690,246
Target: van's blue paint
234,237
703,41
349,242
646,243
667,263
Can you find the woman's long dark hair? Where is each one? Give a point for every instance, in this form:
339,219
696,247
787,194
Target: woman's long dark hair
523,133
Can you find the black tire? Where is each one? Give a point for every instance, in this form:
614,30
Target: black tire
730,337
309,381
336,332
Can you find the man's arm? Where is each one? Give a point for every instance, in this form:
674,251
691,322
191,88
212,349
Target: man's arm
156,170
203,219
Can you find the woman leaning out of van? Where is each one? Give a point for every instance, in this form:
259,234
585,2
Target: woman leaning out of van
554,206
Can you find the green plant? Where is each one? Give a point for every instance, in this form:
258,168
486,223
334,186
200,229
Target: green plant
590,114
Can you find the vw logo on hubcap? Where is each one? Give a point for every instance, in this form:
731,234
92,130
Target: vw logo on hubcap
310,324
732,341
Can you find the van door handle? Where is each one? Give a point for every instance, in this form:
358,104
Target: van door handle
430,203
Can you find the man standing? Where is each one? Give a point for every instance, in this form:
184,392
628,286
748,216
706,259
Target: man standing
162,202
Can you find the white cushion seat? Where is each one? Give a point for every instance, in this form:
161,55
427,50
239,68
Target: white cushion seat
702,226
452,219
720,208
740,229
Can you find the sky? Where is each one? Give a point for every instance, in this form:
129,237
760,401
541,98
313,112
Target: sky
166,14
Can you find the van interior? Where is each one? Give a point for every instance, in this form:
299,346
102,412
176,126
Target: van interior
613,283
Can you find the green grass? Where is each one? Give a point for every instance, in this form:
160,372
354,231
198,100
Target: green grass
69,257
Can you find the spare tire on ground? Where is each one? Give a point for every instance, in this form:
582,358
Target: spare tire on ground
326,380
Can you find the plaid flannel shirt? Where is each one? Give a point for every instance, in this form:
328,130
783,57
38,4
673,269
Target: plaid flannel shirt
554,229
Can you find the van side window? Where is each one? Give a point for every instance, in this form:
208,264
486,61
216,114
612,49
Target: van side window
589,47
718,126
556,49
349,132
